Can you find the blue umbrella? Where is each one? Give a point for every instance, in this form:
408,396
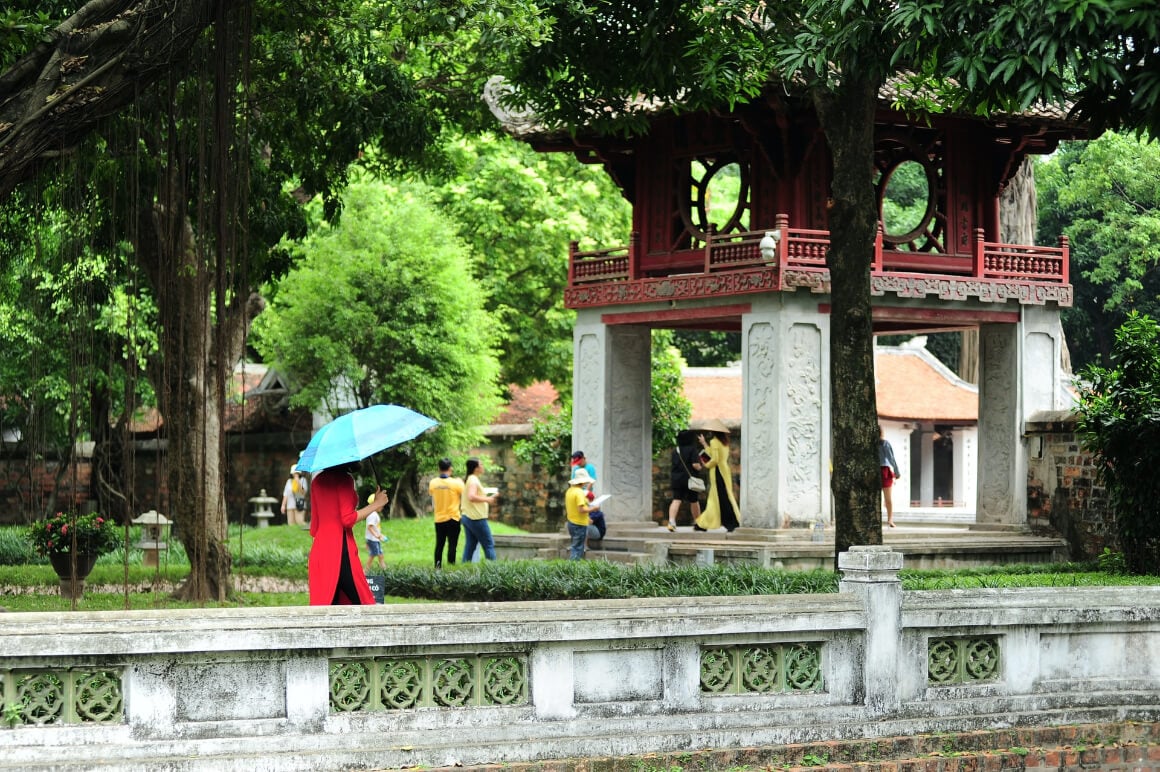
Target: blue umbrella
356,435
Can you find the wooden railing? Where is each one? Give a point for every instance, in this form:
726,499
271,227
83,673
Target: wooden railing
805,249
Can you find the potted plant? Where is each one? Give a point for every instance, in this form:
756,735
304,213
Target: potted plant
72,543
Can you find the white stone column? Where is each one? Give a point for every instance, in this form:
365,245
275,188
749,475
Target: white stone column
926,485
1002,488
611,411
786,416
966,456
871,574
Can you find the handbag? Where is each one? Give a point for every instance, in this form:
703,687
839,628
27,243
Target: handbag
696,484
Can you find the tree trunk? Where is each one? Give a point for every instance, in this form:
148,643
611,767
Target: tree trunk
847,118
190,388
407,499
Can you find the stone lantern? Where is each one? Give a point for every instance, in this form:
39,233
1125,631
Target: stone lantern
263,508
154,530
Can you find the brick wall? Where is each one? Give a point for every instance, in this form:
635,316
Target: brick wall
1063,493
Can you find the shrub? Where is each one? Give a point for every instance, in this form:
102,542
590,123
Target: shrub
1119,423
16,549
91,534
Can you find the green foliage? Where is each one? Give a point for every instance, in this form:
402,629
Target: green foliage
383,303
1112,562
58,534
518,210
670,409
708,348
13,713
576,579
1105,195
16,548
551,438
1119,423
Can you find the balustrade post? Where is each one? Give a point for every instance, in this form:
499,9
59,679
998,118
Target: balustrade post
708,248
870,572
781,225
977,256
634,256
878,248
1065,269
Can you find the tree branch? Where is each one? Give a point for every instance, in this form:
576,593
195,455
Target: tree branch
53,97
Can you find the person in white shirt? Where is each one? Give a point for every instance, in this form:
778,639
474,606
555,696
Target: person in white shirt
374,539
475,509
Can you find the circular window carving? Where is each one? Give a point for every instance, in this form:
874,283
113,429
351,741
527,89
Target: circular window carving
718,197
907,203
910,195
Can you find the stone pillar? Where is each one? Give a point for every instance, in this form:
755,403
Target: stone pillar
966,457
1002,488
926,485
611,411
871,574
786,417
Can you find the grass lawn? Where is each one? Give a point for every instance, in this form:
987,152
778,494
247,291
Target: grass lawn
279,551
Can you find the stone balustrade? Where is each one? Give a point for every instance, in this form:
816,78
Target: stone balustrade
324,688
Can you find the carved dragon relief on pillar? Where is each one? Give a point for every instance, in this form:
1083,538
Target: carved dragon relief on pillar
628,414
590,369
998,434
804,423
760,422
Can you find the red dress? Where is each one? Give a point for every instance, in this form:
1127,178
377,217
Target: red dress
333,512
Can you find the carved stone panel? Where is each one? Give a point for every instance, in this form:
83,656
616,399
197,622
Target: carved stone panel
760,445
998,424
588,402
803,427
628,437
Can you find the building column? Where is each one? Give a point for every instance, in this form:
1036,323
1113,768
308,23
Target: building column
785,413
1002,481
611,411
926,485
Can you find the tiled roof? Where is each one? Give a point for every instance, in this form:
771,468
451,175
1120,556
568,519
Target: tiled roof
526,403
911,385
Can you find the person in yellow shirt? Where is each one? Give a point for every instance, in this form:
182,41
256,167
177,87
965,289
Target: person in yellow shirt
446,494
576,507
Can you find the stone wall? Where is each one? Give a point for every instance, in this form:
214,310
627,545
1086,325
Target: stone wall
1062,490
394,687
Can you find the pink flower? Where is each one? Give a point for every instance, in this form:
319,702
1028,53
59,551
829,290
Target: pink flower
64,529
100,521
48,528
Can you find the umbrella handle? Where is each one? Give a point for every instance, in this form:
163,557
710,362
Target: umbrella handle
374,471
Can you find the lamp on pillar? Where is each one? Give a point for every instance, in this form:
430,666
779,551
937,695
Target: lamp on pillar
262,505
768,246
154,530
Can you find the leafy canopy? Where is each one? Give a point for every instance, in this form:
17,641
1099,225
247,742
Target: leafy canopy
1105,195
1119,422
382,308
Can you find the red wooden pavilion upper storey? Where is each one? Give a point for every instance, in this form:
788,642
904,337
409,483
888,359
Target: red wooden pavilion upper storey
684,245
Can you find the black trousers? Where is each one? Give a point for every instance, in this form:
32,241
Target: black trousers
446,532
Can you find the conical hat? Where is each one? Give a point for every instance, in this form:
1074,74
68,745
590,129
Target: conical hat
711,425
